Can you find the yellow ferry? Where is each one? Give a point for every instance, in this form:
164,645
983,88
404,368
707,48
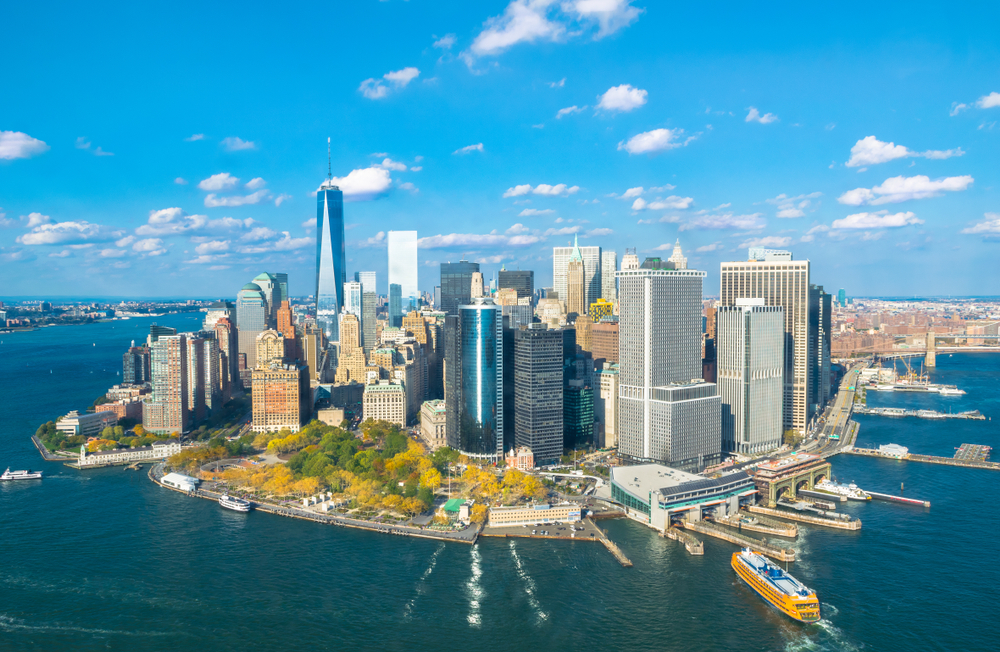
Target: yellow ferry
776,586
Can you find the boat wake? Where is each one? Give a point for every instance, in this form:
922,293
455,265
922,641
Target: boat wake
421,583
822,636
529,585
475,589
9,624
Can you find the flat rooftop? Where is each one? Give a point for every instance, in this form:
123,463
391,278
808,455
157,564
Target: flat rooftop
643,478
787,462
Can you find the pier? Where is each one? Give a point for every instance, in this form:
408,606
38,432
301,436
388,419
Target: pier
899,499
838,523
691,544
974,415
743,521
613,548
823,496
967,459
742,540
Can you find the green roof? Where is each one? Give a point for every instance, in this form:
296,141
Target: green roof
252,286
263,276
453,504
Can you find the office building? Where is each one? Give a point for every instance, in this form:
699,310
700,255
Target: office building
606,405
270,349
216,390
251,320
474,380
842,297
630,260
331,266
477,285
456,285
219,310
369,324
576,286
538,391
780,281
367,280
286,326
821,339
166,411
135,365
403,267
281,397
604,341
601,309
75,424
354,298
609,282
269,288
432,424
351,367
385,401
591,257
667,413
750,371
677,257
226,337
156,331
395,305
313,352
578,414
197,377
521,281
584,327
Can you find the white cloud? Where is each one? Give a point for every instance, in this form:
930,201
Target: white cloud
62,254
181,181
409,186
517,191
554,191
445,42
755,116
34,219
280,199
309,224
17,144
789,207
364,184
104,253
174,221
991,225
461,240
389,164
517,229
285,243
657,140
195,137
569,110
715,246
672,202
522,21
375,89
257,234
150,247
956,108
416,168
211,201
872,151
74,232
566,230
897,189
255,183
610,15
377,240
236,144
878,220
989,101
725,221
596,233
221,181
622,98
766,241
534,212
478,147
631,192
207,259
558,84
82,143
126,241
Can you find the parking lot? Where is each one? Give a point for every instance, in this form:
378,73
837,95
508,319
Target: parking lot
585,529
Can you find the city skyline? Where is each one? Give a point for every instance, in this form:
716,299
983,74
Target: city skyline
497,141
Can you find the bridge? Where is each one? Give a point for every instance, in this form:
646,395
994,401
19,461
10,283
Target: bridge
931,348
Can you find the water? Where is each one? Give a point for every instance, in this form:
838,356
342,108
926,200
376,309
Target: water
106,560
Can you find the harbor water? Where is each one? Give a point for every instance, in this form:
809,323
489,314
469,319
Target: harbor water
106,560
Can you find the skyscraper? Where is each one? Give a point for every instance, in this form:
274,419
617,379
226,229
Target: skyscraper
166,411
591,257
820,309
477,285
281,279
331,266
217,311
368,321
270,349
251,319
403,266
609,282
135,365
286,326
395,305
576,287
538,391
842,297
667,413
780,281
225,334
522,281
196,378
677,257
456,285
750,354
271,290
353,298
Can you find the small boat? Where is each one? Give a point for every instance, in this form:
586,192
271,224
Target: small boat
775,585
235,504
850,491
21,475
951,391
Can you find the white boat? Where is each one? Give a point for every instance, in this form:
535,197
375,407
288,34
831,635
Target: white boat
850,491
235,504
21,475
951,391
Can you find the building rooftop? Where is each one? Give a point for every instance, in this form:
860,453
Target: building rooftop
783,463
643,478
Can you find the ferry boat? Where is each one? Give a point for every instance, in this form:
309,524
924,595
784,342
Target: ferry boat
949,390
235,504
776,586
21,475
850,491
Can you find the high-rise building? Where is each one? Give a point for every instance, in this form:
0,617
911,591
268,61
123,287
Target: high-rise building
576,288
166,411
217,311
251,320
841,297
352,362
609,282
156,331
385,401
820,309
216,386
135,365
271,290
538,391
578,414
225,335
477,285
313,352
606,405
281,279
604,341
331,266
281,397
403,266
395,305
367,281
456,285
750,356
437,297
780,281
667,413
270,349
677,257
354,298
286,326
474,379
600,309
369,302
584,330
591,257
197,378
522,281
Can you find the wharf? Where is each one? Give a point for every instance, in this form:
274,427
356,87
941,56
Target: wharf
805,518
589,532
974,415
468,535
613,548
744,521
898,499
822,495
691,544
930,459
761,545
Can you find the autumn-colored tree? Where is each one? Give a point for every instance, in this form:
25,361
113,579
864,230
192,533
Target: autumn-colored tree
412,506
308,486
280,481
479,512
431,478
139,431
101,445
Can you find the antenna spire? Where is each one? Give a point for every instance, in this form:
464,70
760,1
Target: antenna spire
329,161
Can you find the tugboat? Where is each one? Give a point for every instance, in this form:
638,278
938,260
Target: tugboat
21,475
235,504
789,595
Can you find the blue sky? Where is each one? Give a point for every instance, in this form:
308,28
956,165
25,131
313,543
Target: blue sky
166,152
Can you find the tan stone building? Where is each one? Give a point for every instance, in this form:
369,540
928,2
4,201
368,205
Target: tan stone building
281,396
432,423
270,348
385,402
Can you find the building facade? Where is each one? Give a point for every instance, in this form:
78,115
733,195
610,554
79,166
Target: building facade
521,281
331,264
538,391
606,406
384,401
166,411
609,282
281,397
403,266
86,425
251,320
591,269
158,450
432,424
456,285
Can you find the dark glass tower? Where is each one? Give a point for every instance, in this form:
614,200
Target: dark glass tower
456,285
521,280
331,266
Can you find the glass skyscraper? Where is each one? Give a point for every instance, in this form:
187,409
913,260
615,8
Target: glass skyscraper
395,305
331,267
403,265
456,285
480,423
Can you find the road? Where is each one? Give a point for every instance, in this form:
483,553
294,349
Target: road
838,422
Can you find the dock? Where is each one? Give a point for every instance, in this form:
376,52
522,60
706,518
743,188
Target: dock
899,499
691,544
757,523
967,460
613,548
822,495
838,523
974,415
742,540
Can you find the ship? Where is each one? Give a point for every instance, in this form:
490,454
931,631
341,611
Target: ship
21,475
235,504
775,585
951,390
850,491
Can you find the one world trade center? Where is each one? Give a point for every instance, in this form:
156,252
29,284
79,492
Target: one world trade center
331,270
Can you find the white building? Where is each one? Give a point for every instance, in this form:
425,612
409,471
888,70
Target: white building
385,402
750,354
87,425
403,264
677,257
540,514
609,283
591,272
180,481
158,451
